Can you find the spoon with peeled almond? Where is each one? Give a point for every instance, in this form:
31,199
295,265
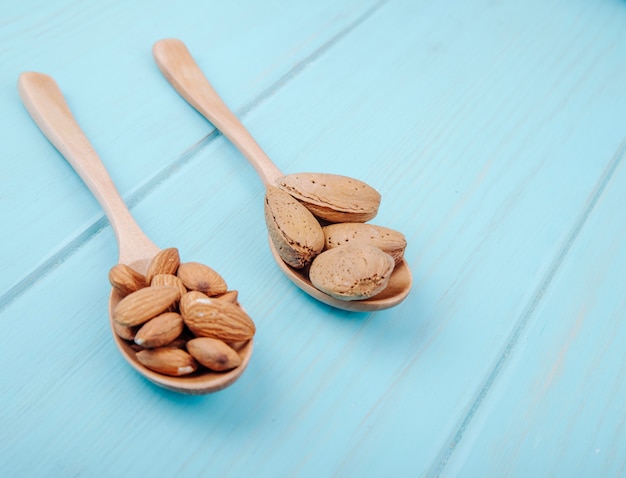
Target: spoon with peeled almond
158,306
316,221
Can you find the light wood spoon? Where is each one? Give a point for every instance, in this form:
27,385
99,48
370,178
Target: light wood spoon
180,69
45,103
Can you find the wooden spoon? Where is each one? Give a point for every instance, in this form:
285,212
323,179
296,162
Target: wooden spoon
45,103
180,69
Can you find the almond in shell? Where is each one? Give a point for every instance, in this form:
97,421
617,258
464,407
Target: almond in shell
296,234
332,197
387,240
352,272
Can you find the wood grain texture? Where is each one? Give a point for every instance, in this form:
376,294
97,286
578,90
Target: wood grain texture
491,130
558,409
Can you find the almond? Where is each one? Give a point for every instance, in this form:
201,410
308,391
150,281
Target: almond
168,361
179,343
229,296
387,240
189,298
162,330
352,271
332,197
237,345
294,231
213,354
169,280
165,262
209,317
144,304
126,280
197,276
124,331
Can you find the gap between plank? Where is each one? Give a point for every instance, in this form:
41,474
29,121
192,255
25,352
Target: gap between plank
448,450
307,61
82,238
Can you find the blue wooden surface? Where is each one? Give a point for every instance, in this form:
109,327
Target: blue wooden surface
495,133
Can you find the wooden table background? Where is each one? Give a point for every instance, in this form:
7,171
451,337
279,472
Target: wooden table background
495,131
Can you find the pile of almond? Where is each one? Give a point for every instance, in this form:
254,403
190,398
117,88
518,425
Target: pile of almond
179,317
317,224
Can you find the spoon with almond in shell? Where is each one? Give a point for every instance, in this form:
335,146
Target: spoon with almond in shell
293,201
45,102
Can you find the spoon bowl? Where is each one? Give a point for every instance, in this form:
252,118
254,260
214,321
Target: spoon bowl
194,384
179,68
45,103
395,292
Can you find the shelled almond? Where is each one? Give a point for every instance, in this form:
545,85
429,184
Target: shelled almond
164,313
213,353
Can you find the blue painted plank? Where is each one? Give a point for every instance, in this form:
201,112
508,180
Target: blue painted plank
557,408
504,179
485,149
486,146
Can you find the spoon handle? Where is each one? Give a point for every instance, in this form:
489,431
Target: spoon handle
45,103
180,69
